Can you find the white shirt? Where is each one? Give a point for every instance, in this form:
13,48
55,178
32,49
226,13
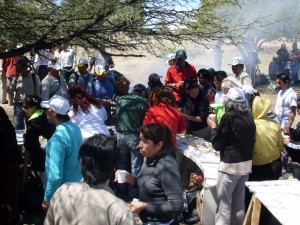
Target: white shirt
40,60
90,123
67,58
285,100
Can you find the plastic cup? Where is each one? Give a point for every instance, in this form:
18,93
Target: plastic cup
121,176
212,117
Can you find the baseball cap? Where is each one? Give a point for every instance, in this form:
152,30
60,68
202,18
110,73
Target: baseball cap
99,70
82,62
180,54
58,104
237,60
22,61
170,56
55,66
236,94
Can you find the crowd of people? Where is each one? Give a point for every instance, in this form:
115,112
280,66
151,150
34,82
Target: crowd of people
67,107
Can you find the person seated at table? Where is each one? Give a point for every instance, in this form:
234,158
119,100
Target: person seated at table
159,182
38,131
87,112
165,113
234,138
9,171
195,108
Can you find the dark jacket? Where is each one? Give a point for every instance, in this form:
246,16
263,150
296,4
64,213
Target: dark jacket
37,126
10,153
235,137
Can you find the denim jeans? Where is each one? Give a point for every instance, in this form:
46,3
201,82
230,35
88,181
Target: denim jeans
130,157
296,170
294,71
19,116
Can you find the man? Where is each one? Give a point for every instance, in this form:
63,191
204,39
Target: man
237,66
41,60
9,71
285,109
206,80
24,83
53,83
62,148
283,57
67,59
91,201
178,73
171,59
83,77
130,112
101,59
274,67
295,63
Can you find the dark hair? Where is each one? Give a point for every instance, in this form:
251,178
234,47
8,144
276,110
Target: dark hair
80,97
32,100
156,133
154,80
98,157
220,76
190,83
139,88
63,118
205,74
166,95
284,77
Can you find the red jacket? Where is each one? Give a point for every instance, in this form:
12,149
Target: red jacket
176,75
9,69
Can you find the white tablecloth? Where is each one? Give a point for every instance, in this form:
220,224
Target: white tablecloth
280,197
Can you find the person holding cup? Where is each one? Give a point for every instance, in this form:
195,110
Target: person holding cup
158,182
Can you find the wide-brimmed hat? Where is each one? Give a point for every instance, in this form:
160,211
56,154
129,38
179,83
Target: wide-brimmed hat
236,94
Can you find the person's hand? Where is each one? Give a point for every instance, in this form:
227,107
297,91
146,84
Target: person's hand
286,139
129,178
286,130
45,205
137,207
211,123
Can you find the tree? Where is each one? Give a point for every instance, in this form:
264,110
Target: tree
120,25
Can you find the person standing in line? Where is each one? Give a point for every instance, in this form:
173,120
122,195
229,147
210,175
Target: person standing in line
237,66
82,77
67,60
38,131
130,112
24,83
178,73
9,172
91,201
159,184
41,60
62,148
9,71
54,83
234,138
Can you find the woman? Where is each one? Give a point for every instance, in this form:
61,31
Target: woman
234,138
87,112
158,182
220,76
37,125
195,108
9,171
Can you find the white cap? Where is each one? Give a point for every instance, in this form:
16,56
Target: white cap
55,66
248,89
58,104
237,60
82,62
170,56
236,94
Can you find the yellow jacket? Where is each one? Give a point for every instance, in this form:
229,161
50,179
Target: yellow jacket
268,144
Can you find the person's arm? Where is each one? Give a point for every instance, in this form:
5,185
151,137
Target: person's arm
219,136
292,116
55,166
45,89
